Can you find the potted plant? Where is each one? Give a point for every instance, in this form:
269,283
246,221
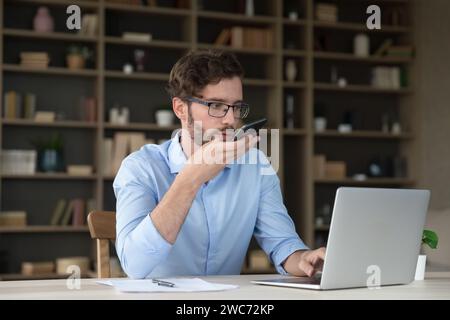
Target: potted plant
431,239
77,56
50,154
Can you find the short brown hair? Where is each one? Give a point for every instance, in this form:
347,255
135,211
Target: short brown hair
197,69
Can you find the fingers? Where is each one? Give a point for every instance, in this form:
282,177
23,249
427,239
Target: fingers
312,262
306,267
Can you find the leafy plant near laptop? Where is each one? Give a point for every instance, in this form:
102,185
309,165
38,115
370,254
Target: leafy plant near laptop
430,238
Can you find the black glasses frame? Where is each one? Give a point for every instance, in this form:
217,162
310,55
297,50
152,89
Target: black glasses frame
209,103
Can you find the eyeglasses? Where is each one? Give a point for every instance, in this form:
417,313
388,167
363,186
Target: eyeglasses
219,109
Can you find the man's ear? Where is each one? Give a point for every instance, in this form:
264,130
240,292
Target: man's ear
180,108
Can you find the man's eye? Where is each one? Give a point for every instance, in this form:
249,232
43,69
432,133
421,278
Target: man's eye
219,106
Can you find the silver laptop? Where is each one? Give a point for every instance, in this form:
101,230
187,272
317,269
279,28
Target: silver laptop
374,239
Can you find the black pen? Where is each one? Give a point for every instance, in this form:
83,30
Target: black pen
163,283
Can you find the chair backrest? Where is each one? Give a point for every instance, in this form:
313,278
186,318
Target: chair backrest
102,226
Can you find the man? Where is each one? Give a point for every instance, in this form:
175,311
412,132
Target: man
179,214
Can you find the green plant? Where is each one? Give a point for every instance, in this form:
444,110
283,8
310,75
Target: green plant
54,143
83,51
430,238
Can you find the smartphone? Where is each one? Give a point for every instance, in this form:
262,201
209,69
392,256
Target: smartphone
255,125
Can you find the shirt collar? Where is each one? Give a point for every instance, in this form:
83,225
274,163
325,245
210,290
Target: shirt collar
177,158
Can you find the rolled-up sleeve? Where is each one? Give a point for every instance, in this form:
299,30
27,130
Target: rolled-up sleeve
140,247
275,230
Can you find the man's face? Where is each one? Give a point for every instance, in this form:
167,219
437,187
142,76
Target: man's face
228,91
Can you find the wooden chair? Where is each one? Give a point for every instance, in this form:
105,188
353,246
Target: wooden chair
102,226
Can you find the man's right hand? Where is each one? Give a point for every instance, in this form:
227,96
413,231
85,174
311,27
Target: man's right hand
208,160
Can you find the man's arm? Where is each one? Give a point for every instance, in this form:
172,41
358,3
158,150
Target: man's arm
170,213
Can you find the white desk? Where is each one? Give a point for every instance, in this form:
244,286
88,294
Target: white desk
435,287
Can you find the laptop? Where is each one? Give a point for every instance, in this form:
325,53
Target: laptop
374,239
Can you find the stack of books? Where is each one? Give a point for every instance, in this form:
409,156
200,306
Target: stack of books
137,36
387,49
400,51
38,268
18,162
386,77
72,212
39,60
239,37
326,12
13,218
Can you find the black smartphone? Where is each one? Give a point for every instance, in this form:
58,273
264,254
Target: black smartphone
255,125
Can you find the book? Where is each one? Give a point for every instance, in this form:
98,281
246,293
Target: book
79,170
382,49
29,108
107,156
44,116
89,25
13,218
65,220
224,37
136,140
136,36
237,37
120,150
38,268
58,212
79,213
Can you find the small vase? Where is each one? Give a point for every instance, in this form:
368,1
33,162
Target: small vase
50,160
75,61
420,269
164,118
291,70
43,22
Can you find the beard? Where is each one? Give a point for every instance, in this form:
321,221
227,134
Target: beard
198,134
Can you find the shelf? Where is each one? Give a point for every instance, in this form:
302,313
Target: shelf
360,88
137,76
153,43
51,71
362,134
140,126
294,132
350,26
260,51
148,10
84,4
47,176
294,53
368,182
44,229
294,84
236,17
298,22
56,124
65,36
353,58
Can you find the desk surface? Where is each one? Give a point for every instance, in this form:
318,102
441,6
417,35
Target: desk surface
436,286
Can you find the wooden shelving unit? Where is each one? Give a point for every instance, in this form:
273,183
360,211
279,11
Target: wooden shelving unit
175,31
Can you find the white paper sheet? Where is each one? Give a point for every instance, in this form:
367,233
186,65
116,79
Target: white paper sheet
181,285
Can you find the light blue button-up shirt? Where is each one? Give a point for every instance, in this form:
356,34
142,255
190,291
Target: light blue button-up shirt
227,210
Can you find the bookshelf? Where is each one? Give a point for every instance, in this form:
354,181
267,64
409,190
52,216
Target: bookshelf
176,31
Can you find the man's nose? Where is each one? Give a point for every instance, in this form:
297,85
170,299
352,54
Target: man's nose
229,118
